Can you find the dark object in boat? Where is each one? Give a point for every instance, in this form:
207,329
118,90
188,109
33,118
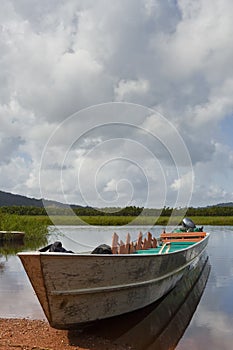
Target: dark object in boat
44,249
189,226
102,249
188,223
55,247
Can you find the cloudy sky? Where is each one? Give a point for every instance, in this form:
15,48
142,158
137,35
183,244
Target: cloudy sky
117,103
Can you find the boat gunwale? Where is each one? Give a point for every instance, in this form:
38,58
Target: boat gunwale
88,254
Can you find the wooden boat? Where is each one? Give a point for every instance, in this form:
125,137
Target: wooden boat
11,235
79,288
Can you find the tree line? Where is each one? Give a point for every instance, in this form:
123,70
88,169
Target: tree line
127,211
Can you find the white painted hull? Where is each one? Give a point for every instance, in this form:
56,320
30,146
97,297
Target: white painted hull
76,288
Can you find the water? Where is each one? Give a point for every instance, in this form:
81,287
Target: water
199,321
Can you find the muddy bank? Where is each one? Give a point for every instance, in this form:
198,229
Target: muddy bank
24,334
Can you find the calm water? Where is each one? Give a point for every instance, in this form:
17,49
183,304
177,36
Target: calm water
198,315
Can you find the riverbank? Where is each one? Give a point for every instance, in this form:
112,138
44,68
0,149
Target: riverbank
134,220
25,334
35,226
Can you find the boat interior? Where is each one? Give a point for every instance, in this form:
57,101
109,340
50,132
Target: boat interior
166,243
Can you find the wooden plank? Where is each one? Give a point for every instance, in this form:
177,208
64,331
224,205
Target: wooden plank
139,241
132,248
127,245
145,244
149,239
154,243
122,249
115,243
182,236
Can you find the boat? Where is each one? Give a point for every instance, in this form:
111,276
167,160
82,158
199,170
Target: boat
160,325
79,288
12,235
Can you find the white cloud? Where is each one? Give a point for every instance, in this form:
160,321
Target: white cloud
184,181
58,57
212,328
126,89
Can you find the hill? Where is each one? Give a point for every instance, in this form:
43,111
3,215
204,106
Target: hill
229,204
9,199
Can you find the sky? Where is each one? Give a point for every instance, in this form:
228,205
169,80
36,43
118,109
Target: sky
117,103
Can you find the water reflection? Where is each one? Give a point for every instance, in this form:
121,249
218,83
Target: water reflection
160,325
19,299
11,247
1,266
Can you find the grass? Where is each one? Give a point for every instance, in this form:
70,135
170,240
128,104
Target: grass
33,228
213,220
109,220
37,226
124,220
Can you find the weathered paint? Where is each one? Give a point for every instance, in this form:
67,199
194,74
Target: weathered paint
78,288
32,265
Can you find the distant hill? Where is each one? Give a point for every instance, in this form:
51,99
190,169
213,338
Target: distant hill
229,204
9,199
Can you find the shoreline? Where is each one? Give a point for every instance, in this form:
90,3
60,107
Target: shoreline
27,334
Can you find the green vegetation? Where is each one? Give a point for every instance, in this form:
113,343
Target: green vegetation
34,229
124,220
113,220
213,220
141,220
82,211
34,221
131,211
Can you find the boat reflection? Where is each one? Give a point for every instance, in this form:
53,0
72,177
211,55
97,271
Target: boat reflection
160,325
11,247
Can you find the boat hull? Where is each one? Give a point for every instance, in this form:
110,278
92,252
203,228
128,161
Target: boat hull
11,235
160,325
78,288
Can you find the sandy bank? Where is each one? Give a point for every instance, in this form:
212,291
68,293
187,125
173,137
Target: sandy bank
24,334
